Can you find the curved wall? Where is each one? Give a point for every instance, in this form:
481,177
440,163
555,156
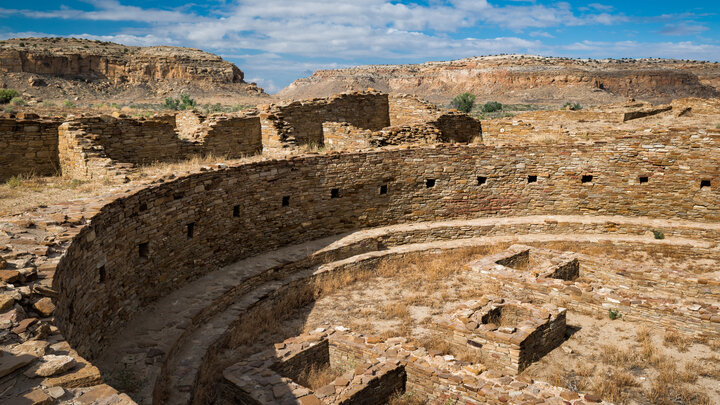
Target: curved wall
140,246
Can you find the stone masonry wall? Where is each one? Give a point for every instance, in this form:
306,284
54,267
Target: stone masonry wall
454,126
300,122
28,145
141,244
103,146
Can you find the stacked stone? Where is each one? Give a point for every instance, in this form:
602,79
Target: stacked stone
382,368
509,348
341,135
98,147
301,122
652,297
407,134
28,145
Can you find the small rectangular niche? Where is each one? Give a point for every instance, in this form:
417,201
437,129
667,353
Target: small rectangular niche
178,196
481,180
286,201
532,179
705,184
190,228
429,183
335,193
643,179
587,178
236,211
383,189
143,207
144,250
101,273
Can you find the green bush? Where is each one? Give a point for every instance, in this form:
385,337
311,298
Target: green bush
68,104
463,102
658,234
7,94
185,102
18,101
492,106
9,110
572,106
614,314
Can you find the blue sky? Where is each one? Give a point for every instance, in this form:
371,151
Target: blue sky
277,41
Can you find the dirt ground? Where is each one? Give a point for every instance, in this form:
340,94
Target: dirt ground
622,361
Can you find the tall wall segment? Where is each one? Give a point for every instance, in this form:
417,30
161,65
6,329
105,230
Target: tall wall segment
148,242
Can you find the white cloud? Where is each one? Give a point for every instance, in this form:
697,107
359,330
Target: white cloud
636,49
277,38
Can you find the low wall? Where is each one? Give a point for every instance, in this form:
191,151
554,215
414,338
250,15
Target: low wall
28,145
141,245
101,146
300,122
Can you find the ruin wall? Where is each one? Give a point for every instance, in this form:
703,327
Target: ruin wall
29,147
103,146
300,122
142,245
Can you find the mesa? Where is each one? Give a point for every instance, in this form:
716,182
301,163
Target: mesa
364,247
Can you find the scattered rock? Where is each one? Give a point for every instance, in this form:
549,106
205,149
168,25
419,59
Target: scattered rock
52,365
44,306
10,362
36,397
6,302
84,377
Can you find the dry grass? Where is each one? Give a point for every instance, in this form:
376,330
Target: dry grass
317,376
673,338
614,386
407,398
671,387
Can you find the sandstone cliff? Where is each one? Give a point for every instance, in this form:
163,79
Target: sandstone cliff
66,65
523,79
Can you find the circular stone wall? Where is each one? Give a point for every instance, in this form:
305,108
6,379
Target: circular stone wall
143,245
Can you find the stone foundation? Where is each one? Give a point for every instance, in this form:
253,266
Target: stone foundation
372,370
28,146
506,335
106,146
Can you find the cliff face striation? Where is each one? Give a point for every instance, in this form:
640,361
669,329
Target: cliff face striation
103,67
523,79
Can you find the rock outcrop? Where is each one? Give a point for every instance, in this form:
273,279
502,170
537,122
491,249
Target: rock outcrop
523,79
49,64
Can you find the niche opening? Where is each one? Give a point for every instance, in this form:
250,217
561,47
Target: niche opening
334,193
286,201
383,189
532,179
429,183
144,250
481,180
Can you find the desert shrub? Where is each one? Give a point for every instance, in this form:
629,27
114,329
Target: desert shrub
572,106
658,234
7,94
614,314
717,126
463,102
47,103
183,103
68,104
9,110
492,106
18,101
